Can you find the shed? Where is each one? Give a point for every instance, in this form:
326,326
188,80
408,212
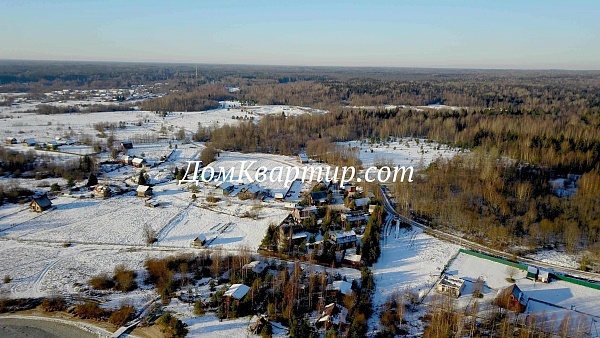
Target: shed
152,203
138,162
279,196
532,273
302,158
199,241
543,276
39,204
11,140
144,191
29,142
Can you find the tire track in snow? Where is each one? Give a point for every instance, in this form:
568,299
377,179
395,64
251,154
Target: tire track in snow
164,232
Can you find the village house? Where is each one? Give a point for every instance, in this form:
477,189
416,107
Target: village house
354,218
236,292
301,213
361,203
340,288
39,204
256,267
224,188
343,239
126,145
144,191
450,286
102,191
332,315
250,192
138,162
199,241
318,197
125,159
302,158
52,145
30,142
511,298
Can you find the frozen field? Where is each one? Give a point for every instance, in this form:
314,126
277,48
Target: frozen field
410,261
403,152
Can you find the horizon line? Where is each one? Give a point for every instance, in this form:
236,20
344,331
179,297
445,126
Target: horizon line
305,66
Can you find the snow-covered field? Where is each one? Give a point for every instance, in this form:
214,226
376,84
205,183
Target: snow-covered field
418,153
411,261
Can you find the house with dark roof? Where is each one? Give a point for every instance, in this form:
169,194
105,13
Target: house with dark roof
318,197
39,204
126,145
511,298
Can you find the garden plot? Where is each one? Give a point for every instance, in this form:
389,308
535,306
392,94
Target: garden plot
221,229
118,219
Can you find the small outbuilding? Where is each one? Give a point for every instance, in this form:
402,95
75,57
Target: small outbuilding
144,191
532,273
302,158
11,140
199,241
39,204
138,162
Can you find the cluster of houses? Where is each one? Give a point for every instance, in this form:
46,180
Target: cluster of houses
332,315
291,232
31,142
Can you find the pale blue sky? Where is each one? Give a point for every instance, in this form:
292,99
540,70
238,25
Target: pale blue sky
419,33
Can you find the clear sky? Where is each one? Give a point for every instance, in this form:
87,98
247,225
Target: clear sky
419,33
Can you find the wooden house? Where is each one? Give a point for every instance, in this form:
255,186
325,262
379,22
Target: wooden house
144,191
301,213
332,315
30,142
138,162
126,145
39,204
236,292
11,140
343,239
102,191
511,298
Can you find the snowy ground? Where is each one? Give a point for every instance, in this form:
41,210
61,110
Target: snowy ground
411,261
418,153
